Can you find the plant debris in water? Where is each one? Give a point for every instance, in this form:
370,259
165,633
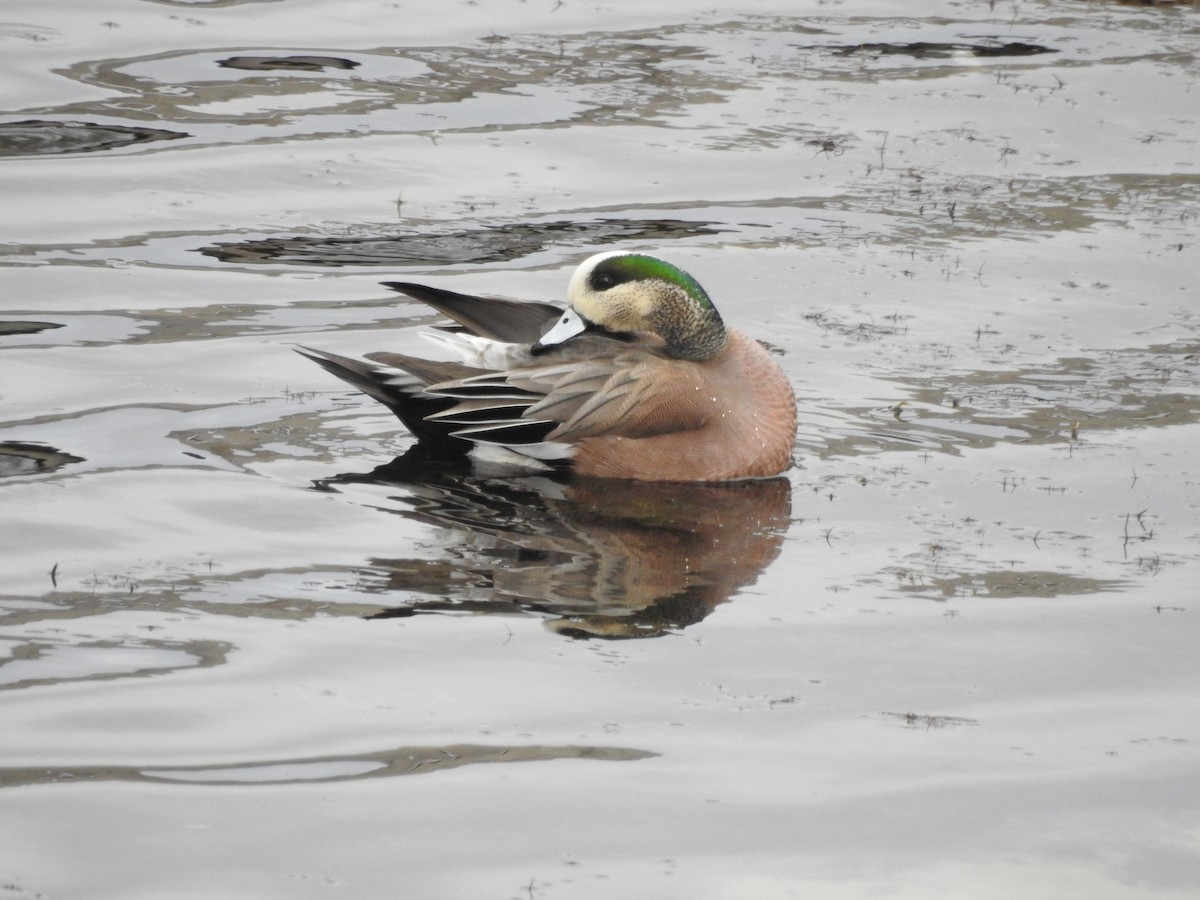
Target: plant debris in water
498,243
36,137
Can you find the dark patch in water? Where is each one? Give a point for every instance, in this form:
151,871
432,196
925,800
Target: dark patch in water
37,137
938,50
21,458
481,245
17,326
289,63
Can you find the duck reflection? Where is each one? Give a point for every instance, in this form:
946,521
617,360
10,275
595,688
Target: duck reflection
603,559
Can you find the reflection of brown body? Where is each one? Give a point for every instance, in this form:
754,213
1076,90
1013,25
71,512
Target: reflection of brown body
664,558
604,558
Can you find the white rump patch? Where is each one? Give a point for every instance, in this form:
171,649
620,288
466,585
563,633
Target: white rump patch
480,352
499,461
529,456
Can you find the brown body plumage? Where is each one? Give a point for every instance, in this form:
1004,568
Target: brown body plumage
638,378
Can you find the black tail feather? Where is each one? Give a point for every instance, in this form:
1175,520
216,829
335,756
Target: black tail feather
510,321
410,404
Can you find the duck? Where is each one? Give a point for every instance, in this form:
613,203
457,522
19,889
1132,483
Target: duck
637,378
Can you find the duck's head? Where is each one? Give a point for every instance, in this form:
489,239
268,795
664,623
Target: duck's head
625,294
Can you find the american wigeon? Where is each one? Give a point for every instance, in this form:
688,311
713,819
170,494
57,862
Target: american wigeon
638,378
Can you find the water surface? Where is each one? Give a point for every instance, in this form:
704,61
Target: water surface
951,653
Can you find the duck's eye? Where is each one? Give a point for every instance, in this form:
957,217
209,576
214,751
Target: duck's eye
603,281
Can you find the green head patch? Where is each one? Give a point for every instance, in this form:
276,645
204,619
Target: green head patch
636,267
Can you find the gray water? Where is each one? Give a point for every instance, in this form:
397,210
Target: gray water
244,652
